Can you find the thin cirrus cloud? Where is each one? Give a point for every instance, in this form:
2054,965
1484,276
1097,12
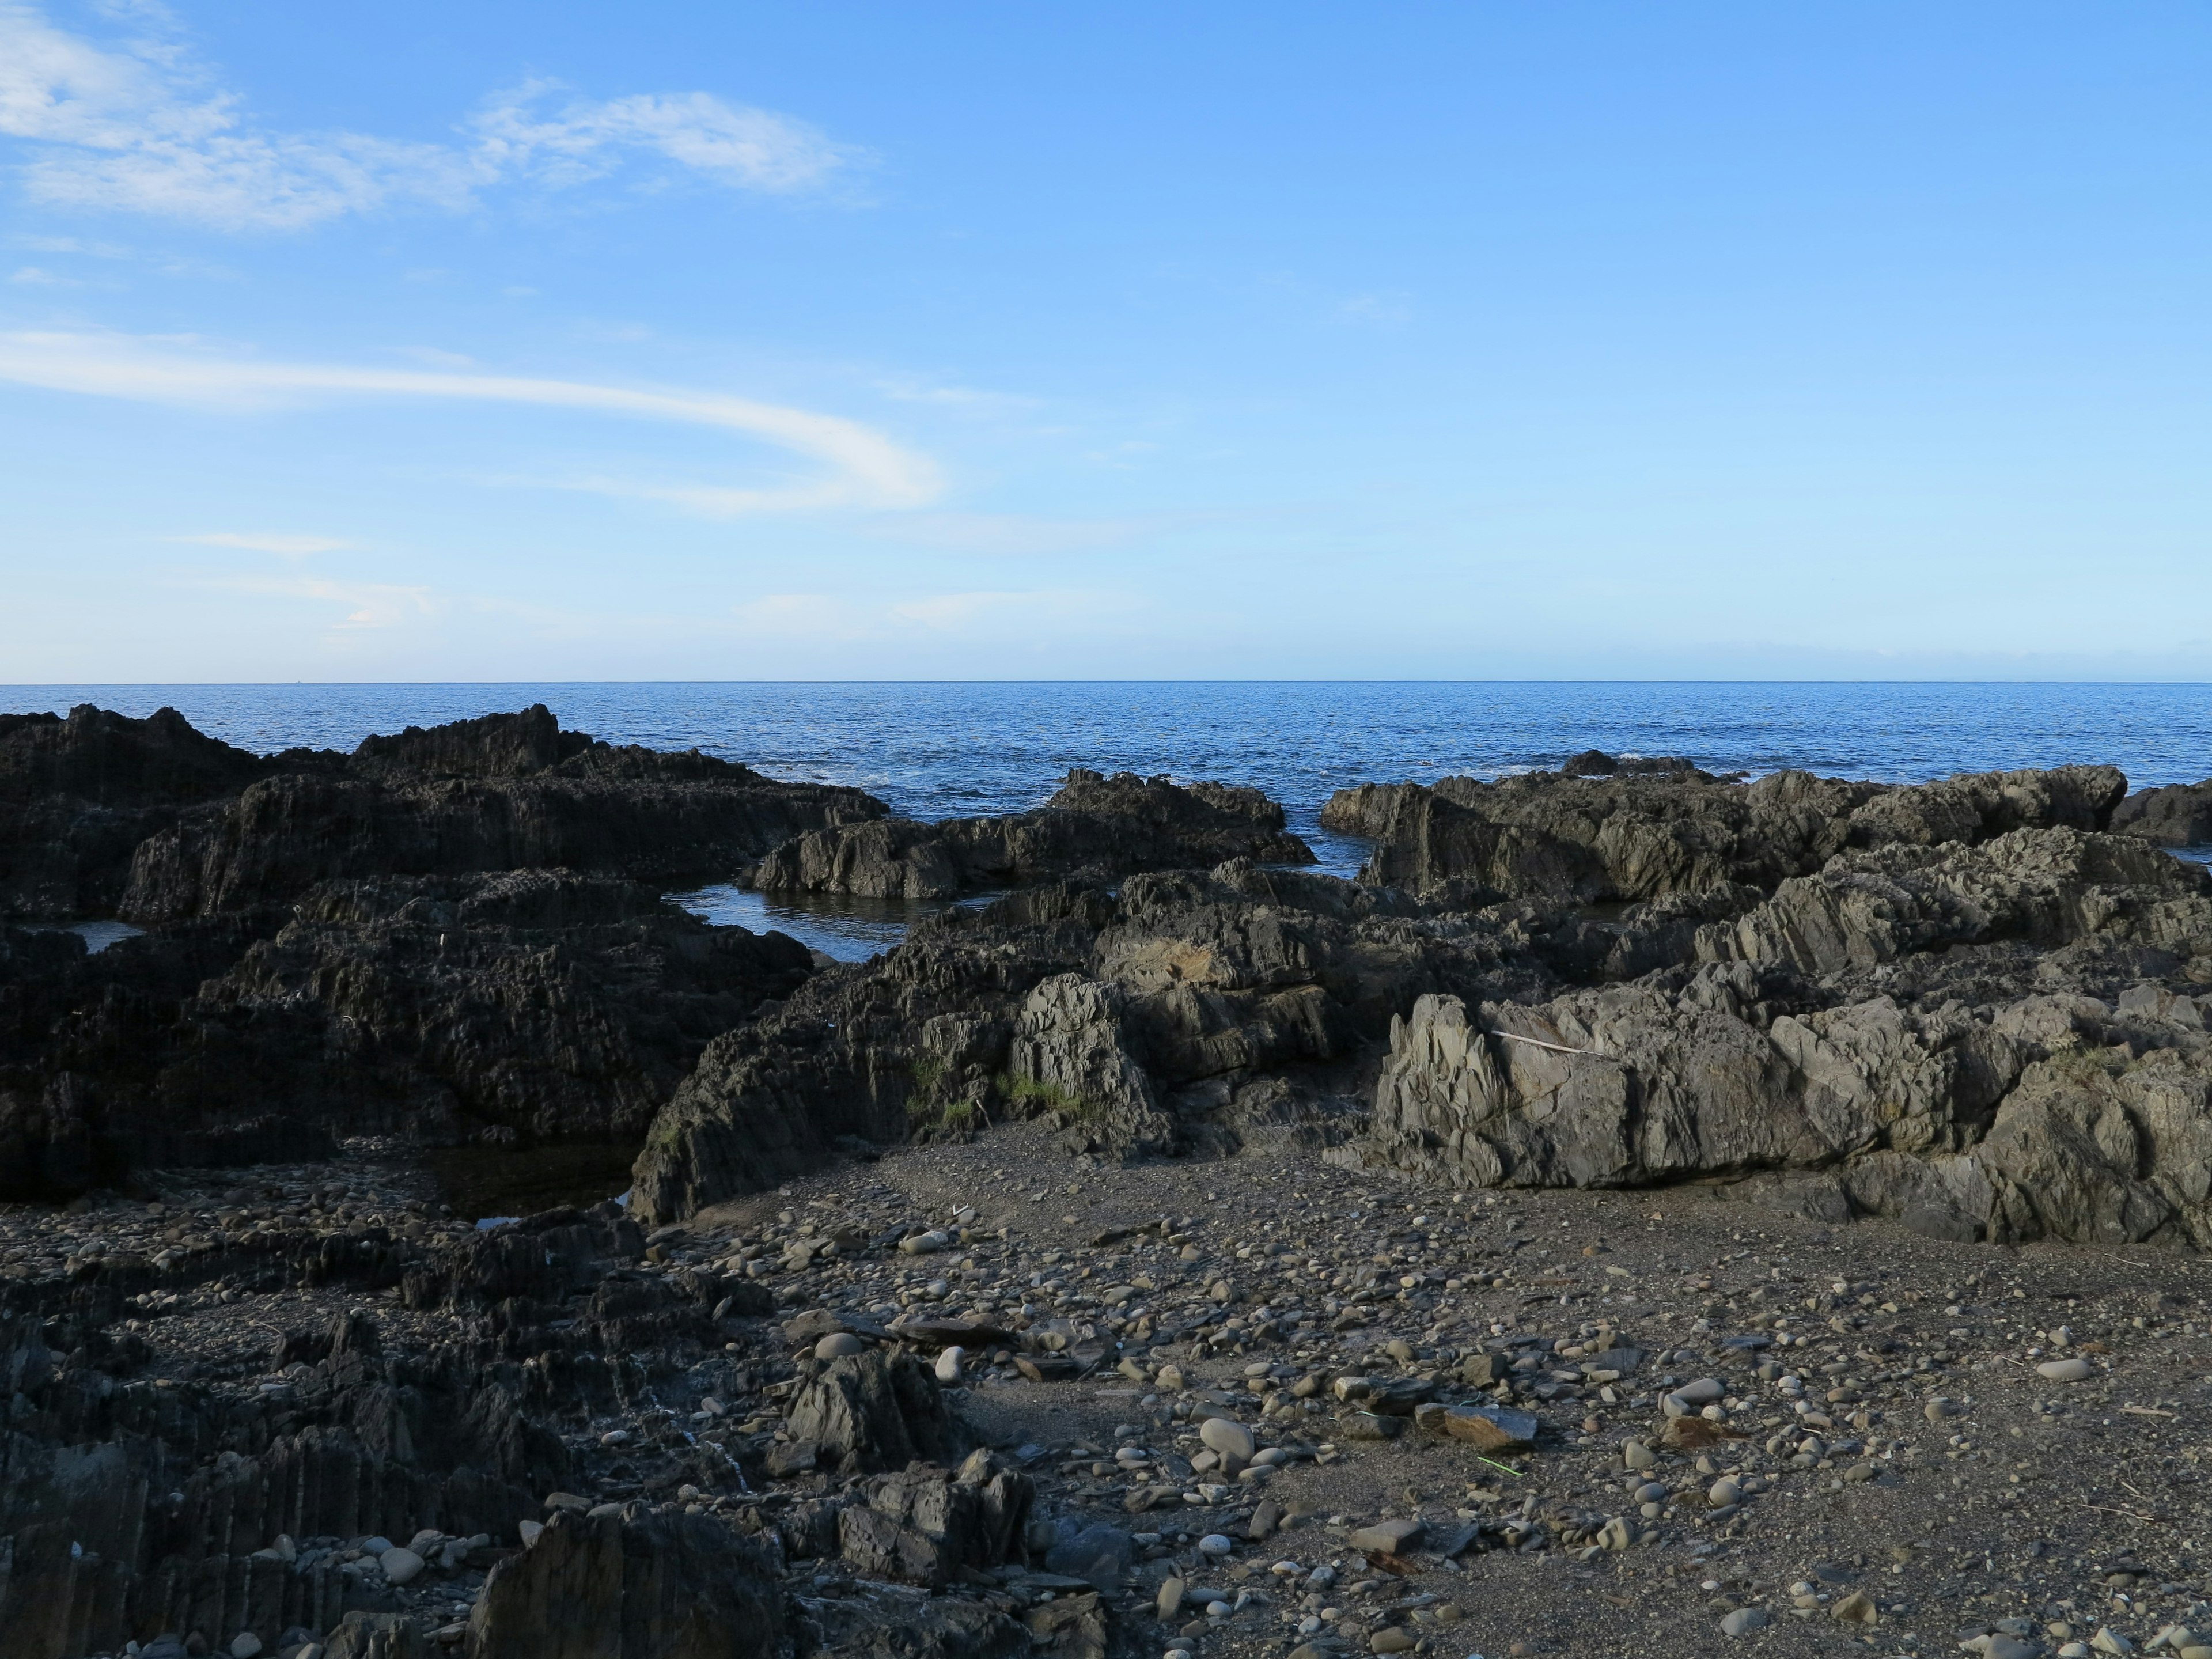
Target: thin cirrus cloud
134,126
856,466
289,547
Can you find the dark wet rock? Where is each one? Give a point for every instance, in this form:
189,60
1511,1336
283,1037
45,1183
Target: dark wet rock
497,793
2175,815
867,1412
1596,764
1094,826
657,1586
103,1069
77,795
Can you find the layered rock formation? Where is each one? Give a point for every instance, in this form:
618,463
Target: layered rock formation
1190,1010
2177,814
1094,827
501,792
1614,838
77,796
1984,1039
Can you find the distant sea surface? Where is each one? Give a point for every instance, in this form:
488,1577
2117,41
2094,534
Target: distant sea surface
939,749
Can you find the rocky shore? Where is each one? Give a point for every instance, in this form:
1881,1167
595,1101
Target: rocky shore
1645,1212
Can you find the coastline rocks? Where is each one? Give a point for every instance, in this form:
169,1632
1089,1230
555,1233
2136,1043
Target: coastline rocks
77,795
1626,837
535,1003
1094,826
2047,887
495,793
662,1586
2175,815
2004,1124
1188,1012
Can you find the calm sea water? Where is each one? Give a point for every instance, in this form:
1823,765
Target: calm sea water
940,751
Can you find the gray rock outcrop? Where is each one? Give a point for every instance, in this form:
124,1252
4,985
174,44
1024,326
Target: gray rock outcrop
1094,826
1911,1033
1628,837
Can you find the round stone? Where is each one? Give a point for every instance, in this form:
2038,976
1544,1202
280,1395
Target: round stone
401,1567
1725,1491
2066,1370
1215,1543
948,1365
1228,1437
838,1346
1744,1620
1637,1455
245,1645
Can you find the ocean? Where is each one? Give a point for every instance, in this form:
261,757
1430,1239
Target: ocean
946,749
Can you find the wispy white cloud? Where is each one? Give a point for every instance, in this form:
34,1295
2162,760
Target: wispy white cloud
754,148
366,605
291,547
133,125
859,466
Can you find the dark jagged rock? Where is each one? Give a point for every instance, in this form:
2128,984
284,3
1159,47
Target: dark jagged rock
1139,1023
501,792
554,1004
2175,815
889,1621
927,1526
1614,838
100,1070
657,1586
126,1508
78,795
540,1003
376,1636
1596,764
871,1412
1095,827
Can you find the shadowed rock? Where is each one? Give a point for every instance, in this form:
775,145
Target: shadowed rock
665,1586
870,1411
78,795
1095,826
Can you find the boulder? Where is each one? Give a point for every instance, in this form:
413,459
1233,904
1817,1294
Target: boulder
926,1525
871,1412
659,1586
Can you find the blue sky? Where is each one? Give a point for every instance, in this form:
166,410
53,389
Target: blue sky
676,341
